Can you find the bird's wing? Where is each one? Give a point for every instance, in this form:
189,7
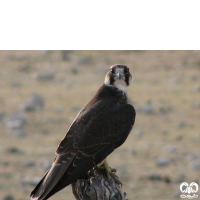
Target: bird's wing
102,124
95,133
98,132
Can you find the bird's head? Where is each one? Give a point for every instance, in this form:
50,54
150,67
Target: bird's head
118,76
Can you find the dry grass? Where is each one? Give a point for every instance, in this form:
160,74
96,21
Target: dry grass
166,78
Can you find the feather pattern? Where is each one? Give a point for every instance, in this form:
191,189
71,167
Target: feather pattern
100,127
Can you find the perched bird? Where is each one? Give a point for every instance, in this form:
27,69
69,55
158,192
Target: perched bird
101,126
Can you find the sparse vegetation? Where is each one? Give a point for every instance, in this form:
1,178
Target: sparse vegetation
165,93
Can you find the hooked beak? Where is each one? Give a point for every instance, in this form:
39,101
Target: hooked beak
119,75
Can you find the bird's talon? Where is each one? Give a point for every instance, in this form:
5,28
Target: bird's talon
113,170
110,173
115,178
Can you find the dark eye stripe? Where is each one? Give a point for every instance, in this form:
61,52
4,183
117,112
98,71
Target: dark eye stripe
126,70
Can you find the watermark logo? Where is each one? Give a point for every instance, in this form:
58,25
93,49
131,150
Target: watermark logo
189,190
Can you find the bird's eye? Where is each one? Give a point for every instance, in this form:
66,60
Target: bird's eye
112,70
126,70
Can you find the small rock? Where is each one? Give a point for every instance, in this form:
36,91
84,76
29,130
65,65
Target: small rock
191,156
179,137
17,124
194,77
162,161
165,110
85,60
29,106
74,70
24,67
165,132
2,116
9,197
44,132
4,164
18,116
44,76
36,102
158,177
16,85
181,124
167,179
154,177
196,165
149,108
20,133
133,151
170,149
29,163
16,121
13,150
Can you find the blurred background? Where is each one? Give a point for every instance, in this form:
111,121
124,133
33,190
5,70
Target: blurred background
41,92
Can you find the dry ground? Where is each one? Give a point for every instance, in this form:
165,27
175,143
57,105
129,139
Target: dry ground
165,93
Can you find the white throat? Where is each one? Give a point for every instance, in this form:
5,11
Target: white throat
121,85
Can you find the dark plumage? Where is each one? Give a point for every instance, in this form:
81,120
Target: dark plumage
101,126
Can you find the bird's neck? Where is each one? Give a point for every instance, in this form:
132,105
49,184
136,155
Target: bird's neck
112,91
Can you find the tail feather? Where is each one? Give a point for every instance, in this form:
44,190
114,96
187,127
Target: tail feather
52,177
36,192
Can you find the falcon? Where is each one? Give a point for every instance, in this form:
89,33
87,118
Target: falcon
100,127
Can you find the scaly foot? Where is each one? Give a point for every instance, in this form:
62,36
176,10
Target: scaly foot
110,172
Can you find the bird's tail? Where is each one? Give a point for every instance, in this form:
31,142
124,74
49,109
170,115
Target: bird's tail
37,192
51,178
